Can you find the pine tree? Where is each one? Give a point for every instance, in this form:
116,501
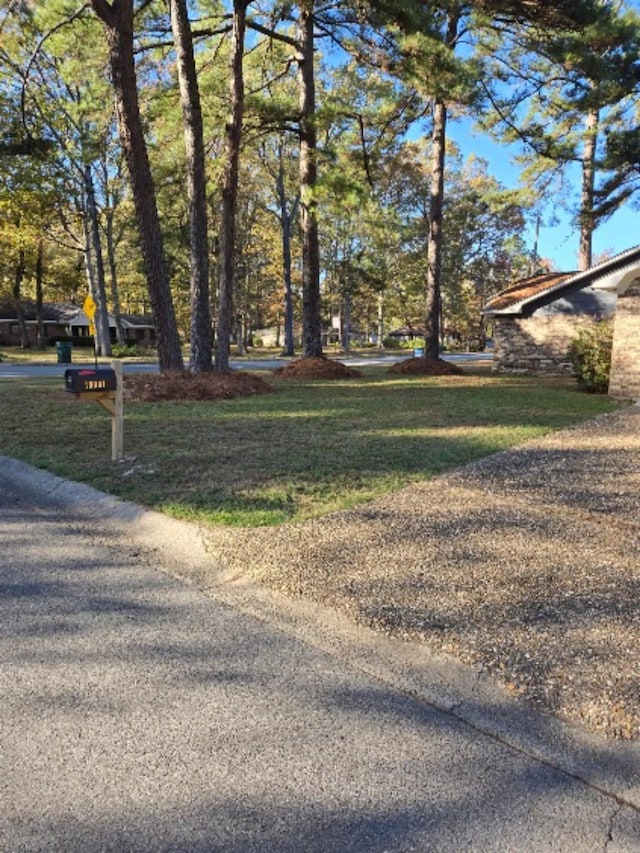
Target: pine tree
118,20
200,337
561,94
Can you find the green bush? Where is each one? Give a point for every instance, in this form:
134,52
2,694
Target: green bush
130,350
399,343
590,357
391,343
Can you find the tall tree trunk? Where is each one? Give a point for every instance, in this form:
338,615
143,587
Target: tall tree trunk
200,359
40,337
101,319
436,200
20,270
311,322
533,266
240,334
233,138
113,279
111,253
586,196
434,244
286,220
289,341
345,322
118,20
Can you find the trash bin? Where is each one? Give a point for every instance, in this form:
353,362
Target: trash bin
418,352
63,351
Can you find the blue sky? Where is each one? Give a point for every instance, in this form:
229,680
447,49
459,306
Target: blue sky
559,242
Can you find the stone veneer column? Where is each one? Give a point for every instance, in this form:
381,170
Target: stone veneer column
624,383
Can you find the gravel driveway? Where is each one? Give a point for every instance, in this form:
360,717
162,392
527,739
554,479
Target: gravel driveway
526,563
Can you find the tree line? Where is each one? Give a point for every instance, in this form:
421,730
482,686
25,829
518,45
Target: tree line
232,166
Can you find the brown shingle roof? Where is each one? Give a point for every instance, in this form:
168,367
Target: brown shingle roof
65,313
606,275
525,288
50,313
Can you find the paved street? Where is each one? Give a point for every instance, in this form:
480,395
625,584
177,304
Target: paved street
138,714
9,370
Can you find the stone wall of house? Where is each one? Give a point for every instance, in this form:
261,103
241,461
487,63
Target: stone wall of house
625,360
536,344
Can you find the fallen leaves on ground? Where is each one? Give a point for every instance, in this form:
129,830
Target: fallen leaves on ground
182,385
426,367
317,368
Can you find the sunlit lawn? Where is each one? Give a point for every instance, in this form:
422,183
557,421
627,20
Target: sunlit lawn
307,449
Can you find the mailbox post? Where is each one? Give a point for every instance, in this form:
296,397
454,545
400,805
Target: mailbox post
104,385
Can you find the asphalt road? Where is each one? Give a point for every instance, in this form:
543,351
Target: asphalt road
139,714
17,371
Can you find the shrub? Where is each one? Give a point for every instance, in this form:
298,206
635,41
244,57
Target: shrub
391,343
590,356
130,350
401,343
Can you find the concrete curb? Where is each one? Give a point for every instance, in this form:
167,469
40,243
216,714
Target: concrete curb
178,549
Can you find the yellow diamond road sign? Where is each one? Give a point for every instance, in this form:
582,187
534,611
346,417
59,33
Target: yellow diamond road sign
89,307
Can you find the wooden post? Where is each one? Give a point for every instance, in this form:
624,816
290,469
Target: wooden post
105,387
113,402
117,420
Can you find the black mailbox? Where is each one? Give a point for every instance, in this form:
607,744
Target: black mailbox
84,380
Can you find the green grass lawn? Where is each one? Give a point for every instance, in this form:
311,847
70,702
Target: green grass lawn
308,448
15,355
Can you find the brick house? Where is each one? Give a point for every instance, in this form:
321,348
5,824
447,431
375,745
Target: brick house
535,319
66,320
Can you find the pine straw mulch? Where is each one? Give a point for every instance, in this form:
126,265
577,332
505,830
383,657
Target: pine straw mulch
317,368
182,385
426,367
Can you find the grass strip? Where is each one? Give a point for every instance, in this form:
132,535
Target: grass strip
307,449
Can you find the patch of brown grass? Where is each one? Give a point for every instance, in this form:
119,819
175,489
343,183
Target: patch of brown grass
182,385
317,368
426,367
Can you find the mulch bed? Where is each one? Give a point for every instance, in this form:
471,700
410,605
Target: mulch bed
317,368
182,385
426,367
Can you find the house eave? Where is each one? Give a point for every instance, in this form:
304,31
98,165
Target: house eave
615,275
618,281
512,310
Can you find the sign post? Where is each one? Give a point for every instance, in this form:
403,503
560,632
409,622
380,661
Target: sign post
89,307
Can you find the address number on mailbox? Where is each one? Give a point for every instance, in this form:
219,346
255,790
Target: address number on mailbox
84,380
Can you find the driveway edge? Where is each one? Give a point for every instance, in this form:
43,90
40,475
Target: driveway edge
468,694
